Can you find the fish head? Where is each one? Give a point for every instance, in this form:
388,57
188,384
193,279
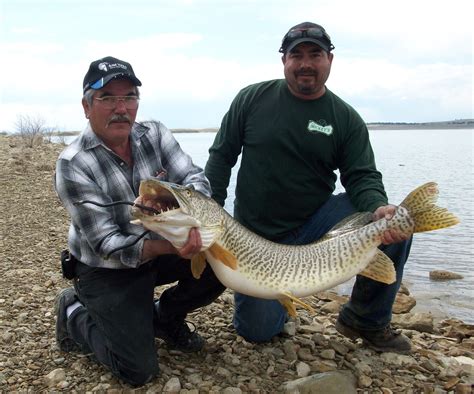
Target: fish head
186,208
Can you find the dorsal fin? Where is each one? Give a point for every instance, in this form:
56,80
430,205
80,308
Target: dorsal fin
351,223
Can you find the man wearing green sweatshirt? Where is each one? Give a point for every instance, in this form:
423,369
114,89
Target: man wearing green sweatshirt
294,133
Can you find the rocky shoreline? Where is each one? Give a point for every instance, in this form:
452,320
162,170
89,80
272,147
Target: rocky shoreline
311,357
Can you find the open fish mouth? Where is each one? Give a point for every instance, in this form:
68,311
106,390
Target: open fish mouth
161,211
168,217
163,200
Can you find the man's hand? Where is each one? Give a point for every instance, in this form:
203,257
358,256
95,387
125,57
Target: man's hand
391,236
158,247
193,245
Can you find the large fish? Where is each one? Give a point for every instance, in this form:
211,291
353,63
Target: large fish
252,265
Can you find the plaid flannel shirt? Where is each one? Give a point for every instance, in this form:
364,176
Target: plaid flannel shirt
88,170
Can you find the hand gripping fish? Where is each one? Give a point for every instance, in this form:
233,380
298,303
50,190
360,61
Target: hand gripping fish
252,265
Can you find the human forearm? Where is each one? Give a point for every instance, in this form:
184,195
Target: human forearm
218,174
224,152
359,174
155,248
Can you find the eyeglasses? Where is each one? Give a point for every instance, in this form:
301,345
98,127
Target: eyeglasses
311,32
111,102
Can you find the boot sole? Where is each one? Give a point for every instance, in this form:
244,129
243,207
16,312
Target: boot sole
66,344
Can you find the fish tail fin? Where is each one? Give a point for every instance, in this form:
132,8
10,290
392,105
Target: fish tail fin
426,215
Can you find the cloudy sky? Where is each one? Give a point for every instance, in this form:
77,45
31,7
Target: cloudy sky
403,61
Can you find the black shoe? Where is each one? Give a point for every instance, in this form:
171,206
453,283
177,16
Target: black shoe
383,340
177,335
64,298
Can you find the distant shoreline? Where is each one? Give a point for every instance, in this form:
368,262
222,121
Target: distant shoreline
205,130
461,124
453,124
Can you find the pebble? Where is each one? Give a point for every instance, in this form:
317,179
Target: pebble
305,354
289,328
54,377
302,369
365,381
172,386
328,354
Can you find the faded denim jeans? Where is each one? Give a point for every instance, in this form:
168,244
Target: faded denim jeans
370,305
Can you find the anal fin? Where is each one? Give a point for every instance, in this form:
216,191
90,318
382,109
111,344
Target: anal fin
380,269
198,264
223,255
289,301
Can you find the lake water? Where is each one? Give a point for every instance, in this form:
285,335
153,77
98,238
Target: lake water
407,159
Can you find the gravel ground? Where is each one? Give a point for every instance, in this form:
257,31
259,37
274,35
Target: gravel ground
33,232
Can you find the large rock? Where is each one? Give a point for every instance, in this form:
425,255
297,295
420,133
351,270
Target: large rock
422,322
457,329
336,382
403,303
444,275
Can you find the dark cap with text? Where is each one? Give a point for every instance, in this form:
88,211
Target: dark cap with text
306,32
104,70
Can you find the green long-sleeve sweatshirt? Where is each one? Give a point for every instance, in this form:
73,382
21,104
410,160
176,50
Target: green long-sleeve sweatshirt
290,150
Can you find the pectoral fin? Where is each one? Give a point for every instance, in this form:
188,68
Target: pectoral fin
223,255
380,269
289,300
198,264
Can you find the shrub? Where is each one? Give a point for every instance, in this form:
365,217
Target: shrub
32,129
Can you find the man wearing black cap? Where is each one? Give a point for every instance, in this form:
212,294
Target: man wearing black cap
294,133
111,311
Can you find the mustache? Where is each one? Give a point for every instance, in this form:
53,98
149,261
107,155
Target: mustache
119,118
306,71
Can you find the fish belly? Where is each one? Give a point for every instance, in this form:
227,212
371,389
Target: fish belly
233,279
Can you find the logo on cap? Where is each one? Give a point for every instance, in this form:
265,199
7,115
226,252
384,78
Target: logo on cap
102,66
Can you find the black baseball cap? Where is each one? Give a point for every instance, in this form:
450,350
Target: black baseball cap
104,70
306,32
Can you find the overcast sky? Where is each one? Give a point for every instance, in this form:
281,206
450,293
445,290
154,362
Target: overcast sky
402,61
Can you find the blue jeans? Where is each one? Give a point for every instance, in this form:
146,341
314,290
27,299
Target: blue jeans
370,305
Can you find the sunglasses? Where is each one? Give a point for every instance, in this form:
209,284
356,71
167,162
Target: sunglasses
310,32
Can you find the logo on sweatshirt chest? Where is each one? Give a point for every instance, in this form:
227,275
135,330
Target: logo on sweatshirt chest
319,127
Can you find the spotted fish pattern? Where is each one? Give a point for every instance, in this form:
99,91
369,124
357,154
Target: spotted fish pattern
250,264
